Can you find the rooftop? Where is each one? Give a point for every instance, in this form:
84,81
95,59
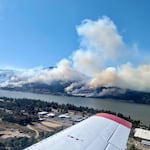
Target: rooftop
142,133
42,113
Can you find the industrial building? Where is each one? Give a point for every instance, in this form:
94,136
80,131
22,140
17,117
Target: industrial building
142,134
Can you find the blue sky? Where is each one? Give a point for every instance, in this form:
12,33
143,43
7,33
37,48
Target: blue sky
42,32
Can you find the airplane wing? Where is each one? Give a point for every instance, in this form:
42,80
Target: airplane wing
100,132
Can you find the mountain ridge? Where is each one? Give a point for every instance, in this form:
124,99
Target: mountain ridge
72,88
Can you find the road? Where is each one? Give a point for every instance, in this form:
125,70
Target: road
31,128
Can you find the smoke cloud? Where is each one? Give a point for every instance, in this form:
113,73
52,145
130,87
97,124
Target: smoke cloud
100,42
102,45
63,71
103,59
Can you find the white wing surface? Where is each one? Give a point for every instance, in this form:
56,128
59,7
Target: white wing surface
100,132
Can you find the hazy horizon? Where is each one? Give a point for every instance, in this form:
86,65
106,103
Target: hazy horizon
94,43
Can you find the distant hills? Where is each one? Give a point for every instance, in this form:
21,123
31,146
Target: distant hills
58,88
72,88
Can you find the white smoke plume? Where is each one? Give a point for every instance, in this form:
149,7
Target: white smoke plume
101,46
112,91
103,59
125,77
63,71
100,42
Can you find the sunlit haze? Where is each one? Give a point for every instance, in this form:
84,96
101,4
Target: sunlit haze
98,43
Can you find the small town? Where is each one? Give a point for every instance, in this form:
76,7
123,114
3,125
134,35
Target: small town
50,118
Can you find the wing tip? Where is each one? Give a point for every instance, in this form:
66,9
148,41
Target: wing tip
116,119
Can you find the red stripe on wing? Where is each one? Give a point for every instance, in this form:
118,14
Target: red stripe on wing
116,119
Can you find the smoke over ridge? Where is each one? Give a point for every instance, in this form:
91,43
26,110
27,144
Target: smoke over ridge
102,59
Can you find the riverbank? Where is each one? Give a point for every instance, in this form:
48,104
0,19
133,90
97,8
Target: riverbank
128,95
136,111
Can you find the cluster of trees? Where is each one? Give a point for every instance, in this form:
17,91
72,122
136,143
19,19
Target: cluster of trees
17,143
21,111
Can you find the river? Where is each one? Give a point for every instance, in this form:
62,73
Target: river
136,111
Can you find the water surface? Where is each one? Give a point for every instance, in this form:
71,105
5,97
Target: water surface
136,111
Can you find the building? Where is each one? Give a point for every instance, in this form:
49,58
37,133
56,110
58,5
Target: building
64,116
52,115
145,143
42,114
80,119
142,134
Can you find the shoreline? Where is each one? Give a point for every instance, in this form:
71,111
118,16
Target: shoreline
68,95
137,111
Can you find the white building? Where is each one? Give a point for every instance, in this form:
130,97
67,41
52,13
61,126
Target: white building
142,133
42,114
64,116
50,115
